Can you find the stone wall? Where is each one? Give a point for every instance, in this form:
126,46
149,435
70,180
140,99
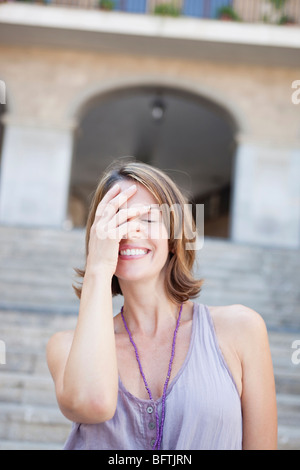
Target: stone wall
48,89
44,84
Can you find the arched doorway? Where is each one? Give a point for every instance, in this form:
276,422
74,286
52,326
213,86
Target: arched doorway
186,134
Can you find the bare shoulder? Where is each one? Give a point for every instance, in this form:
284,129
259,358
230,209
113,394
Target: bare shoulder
237,316
240,324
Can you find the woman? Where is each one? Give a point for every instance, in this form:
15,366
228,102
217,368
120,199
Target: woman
166,372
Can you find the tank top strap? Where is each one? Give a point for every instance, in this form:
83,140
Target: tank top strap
208,344
206,330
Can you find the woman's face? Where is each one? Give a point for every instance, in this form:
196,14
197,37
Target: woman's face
153,237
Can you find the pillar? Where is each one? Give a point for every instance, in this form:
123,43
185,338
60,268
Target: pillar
266,198
35,173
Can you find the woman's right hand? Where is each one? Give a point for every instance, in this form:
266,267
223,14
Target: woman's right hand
111,224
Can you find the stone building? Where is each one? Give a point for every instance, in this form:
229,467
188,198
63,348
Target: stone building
215,103
211,101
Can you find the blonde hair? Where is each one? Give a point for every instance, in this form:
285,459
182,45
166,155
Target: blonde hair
180,285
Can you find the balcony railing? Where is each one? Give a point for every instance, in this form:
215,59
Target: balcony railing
253,11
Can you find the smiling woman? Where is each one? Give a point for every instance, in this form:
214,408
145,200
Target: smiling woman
165,372
160,193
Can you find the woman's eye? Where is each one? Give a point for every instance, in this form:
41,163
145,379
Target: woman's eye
150,221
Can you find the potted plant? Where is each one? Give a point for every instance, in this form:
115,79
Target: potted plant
286,20
227,13
166,9
274,13
278,4
106,5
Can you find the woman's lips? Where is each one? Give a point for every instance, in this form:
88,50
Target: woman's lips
129,257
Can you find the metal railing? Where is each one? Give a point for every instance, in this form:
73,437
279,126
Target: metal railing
253,11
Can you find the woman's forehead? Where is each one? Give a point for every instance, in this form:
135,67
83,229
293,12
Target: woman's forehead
141,196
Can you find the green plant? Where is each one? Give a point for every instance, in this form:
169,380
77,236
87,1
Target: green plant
229,13
107,4
278,4
279,16
284,19
167,9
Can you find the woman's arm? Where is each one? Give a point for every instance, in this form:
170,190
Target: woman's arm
83,364
258,384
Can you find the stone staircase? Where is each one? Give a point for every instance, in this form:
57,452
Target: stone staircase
36,300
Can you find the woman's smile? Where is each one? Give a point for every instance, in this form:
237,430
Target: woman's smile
130,252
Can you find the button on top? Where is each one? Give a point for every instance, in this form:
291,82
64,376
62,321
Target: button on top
149,409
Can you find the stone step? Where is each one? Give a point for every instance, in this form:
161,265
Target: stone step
37,299
27,389
23,445
33,423
288,407
288,437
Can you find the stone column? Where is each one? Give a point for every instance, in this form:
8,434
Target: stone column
266,199
35,174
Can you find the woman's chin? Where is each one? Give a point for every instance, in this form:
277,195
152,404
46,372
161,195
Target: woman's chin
127,276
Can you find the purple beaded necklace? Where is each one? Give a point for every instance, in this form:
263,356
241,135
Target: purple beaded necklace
159,428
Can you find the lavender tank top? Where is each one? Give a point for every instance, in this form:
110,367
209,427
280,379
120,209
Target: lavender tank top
203,407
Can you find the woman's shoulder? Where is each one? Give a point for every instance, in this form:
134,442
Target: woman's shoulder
237,315
240,324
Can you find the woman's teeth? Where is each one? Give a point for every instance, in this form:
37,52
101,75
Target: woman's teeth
133,252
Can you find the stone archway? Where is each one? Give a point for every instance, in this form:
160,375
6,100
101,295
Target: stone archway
185,131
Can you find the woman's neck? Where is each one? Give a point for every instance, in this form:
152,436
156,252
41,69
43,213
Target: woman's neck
147,309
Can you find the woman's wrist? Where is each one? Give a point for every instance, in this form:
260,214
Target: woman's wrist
98,271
